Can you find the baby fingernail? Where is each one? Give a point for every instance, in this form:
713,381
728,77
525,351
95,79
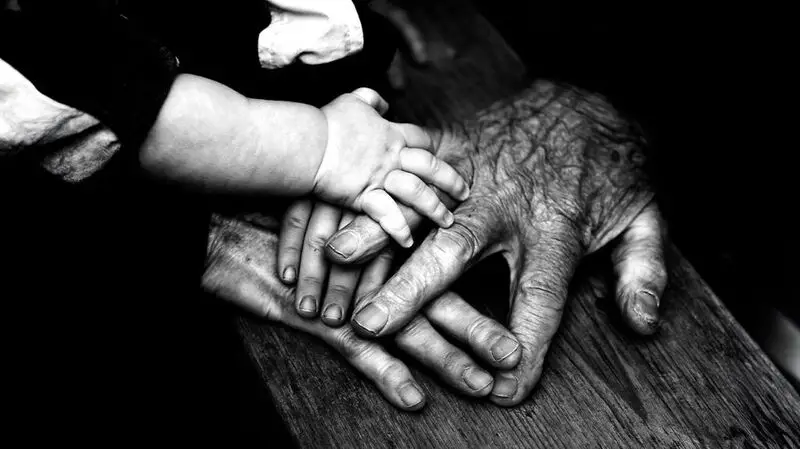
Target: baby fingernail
449,219
289,274
308,305
464,193
410,395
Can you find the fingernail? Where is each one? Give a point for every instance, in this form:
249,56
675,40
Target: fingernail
345,244
464,193
332,313
408,243
372,318
645,305
410,395
288,274
477,379
505,386
504,348
449,219
308,304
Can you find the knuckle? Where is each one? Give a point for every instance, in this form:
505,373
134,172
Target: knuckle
453,362
391,372
458,241
316,242
310,281
295,221
350,345
340,291
478,330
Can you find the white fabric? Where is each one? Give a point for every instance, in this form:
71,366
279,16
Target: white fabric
309,31
30,119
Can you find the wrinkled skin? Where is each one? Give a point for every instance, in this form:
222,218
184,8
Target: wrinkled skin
555,174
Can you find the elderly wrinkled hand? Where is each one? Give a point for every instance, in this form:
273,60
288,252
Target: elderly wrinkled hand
556,174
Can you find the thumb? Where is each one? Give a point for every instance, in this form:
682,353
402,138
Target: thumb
372,98
540,292
641,272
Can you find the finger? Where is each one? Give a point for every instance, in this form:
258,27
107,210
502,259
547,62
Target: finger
415,136
390,375
487,338
439,261
396,72
641,272
237,273
290,241
434,171
383,209
362,239
421,341
342,281
411,34
313,266
411,191
539,298
373,99
375,273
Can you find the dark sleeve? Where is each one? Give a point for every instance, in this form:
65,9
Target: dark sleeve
94,60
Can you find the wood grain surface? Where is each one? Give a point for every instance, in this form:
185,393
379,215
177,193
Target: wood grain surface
700,382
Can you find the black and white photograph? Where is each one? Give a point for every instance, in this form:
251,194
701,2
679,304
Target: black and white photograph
398,224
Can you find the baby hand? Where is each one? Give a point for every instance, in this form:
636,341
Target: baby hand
368,158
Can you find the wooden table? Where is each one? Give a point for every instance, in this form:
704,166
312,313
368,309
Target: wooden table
701,382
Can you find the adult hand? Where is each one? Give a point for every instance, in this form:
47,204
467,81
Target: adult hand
241,268
556,174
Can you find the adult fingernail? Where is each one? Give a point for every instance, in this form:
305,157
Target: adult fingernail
505,386
332,313
645,305
308,304
288,274
504,348
372,318
477,379
410,394
345,244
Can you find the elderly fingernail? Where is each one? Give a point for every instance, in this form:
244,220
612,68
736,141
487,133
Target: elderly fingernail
504,348
345,244
410,395
645,304
371,319
308,305
505,386
333,313
289,274
477,379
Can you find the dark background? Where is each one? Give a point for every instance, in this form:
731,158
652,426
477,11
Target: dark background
710,87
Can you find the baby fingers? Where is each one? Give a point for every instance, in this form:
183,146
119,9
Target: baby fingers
383,209
413,192
434,171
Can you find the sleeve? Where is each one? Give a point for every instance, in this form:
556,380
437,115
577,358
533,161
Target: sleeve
99,85
311,31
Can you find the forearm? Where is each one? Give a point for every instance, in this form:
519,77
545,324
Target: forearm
210,137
